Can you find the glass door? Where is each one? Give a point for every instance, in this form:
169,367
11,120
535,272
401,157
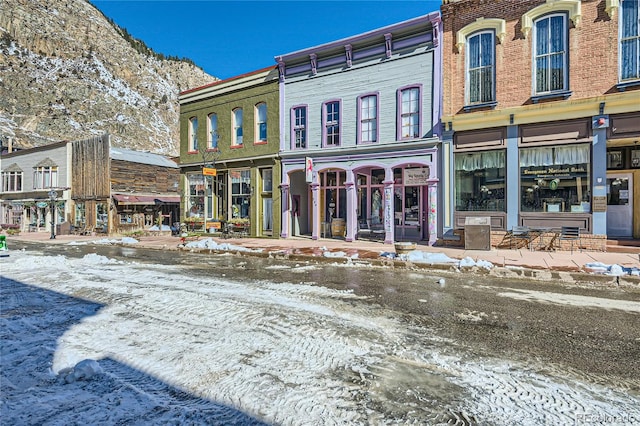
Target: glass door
619,205
407,213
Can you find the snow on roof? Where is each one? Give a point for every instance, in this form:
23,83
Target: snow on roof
141,157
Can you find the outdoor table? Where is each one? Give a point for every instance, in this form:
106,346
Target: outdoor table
541,231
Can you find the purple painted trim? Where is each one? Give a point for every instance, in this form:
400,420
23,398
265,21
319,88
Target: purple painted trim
348,53
359,113
313,58
371,35
420,39
372,51
324,123
298,69
388,47
292,121
282,69
399,111
336,60
281,116
436,83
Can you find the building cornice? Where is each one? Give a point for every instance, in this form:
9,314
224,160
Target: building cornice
244,81
616,103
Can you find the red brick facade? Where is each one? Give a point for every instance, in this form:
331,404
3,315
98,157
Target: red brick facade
593,58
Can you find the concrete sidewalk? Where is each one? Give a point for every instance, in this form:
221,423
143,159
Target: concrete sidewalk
522,258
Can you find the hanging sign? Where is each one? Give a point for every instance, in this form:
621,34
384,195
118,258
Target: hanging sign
208,171
416,176
308,169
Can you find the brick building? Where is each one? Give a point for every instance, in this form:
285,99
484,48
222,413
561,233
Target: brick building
540,104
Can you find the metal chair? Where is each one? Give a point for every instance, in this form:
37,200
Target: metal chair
520,233
572,234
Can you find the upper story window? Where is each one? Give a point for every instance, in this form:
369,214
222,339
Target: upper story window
629,40
368,118
193,134
331,123
261,122
481,68
12,180
213,131
409,112
550,54
45,177
299,127
237,127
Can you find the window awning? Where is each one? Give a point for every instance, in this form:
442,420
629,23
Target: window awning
144,200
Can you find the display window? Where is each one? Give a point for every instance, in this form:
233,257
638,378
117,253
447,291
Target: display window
480,181
555,179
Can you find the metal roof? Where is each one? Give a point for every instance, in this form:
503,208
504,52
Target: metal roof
141,157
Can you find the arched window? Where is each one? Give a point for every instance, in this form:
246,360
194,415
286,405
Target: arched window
261,122
480,68
368,118
550,61
213,131
237,127
193,134
630,41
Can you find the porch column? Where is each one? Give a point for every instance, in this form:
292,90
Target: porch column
285,223
352,217
599,166
315,207
432,211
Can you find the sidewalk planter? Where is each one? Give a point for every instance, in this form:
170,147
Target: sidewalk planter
404,247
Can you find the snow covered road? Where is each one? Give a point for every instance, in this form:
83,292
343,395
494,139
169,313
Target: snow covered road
178,346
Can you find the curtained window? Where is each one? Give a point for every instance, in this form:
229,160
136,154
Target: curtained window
555,179
629,40
550,54
480,181
480,68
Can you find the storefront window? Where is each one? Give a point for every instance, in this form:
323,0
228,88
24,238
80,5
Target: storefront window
102,218
480,181
555,179
79,215
240,193
195,198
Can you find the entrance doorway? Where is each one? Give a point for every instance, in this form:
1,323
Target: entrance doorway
408,213
620,205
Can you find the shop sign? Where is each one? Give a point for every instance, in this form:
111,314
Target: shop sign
556,172
416,176
208,171
599,204
42,204
308,169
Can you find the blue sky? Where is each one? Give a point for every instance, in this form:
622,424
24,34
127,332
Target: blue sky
229,38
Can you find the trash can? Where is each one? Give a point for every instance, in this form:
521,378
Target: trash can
3,243
477,233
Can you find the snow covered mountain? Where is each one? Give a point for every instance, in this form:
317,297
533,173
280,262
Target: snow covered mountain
68,72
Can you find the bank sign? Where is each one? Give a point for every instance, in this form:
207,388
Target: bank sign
555,172
416,176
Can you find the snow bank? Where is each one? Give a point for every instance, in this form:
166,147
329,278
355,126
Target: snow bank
209,243
614,270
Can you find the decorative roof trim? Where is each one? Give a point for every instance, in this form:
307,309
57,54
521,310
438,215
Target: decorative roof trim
47,162
498,25
571,6
13,168
611,7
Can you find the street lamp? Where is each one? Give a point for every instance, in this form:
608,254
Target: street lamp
52,206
